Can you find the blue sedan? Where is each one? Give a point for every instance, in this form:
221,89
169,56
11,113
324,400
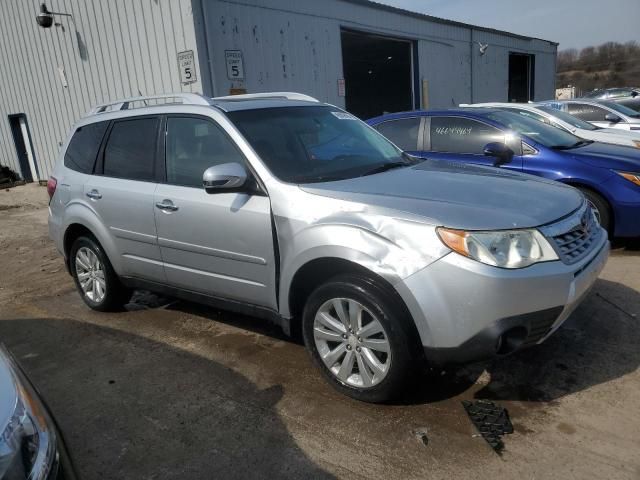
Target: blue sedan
608,175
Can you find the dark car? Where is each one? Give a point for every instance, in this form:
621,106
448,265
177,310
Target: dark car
31,446
629,97
608,175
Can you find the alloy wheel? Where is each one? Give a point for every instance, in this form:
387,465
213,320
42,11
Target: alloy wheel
352,342
90,273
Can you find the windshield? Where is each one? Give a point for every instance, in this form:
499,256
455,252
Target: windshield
542,133
622,109
567,118
316,143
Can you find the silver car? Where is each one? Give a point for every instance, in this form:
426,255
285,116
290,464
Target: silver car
602,114
31,446
295,211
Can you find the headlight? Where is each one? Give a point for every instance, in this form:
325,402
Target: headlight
27,441
632,177
504,248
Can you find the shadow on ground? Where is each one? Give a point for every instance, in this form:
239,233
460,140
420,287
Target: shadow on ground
115,393
597,344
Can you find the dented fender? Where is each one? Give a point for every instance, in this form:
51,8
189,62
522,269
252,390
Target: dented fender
389,244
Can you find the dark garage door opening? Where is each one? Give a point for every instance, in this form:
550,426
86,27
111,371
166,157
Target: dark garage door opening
378,74
521,68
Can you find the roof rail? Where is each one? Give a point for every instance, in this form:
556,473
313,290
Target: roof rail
152,100
267,96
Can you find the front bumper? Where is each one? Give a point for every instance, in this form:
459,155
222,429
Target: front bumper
466,311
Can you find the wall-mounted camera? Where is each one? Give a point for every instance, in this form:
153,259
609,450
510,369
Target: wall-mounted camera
45,17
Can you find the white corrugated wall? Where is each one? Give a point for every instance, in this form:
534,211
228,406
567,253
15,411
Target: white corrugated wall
109,49
296,46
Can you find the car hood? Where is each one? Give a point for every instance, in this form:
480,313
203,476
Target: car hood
618,132
610,135
615,157
459,195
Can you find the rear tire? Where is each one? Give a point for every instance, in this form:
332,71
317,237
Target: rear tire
96,281
600,207
362,340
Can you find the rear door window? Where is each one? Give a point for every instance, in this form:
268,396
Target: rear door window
193,145
462,135
83,148
402,132
587,112
130,150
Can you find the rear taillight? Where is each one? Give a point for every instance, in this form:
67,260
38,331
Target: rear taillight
52,183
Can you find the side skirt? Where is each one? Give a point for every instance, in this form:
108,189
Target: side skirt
211,300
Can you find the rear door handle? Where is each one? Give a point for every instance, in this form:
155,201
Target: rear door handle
166,206
94,194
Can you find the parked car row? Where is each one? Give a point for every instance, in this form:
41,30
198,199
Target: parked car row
520,139
298,212
629,97
602,114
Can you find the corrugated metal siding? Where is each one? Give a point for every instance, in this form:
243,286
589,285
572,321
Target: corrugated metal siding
111,49
296,45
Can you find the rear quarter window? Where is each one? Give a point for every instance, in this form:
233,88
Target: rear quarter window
83,148
403,132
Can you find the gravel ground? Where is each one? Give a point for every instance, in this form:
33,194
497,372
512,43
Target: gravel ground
170,389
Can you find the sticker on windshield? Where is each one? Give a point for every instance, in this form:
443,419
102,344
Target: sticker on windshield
344,116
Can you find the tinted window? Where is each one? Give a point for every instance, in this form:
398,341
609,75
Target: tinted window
404,133
622,109
462,135
83,148
193,145
130,150
587,112
315,143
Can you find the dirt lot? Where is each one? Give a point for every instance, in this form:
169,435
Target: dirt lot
173,390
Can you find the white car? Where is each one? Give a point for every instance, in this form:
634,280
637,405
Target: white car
599,113
566,121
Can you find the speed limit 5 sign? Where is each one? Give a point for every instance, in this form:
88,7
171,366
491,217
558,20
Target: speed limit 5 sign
235,65
187,67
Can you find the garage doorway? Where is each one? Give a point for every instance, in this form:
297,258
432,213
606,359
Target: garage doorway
521,68
24,149
378,73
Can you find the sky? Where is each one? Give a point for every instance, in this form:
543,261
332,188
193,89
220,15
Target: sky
572,23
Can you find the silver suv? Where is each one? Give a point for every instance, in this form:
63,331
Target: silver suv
295,211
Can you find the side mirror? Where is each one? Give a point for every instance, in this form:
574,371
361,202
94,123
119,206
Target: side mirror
501,153
611,118
634,94
224,177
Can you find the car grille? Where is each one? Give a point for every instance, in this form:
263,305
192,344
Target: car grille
579,239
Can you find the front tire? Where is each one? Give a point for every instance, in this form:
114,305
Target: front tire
600,208
361,338
96,281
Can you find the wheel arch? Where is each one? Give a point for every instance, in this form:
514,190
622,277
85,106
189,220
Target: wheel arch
581,184
80,220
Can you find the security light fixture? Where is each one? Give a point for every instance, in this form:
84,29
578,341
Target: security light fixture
482,47
45,17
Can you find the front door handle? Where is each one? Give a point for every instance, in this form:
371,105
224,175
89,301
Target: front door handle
94,194
167,206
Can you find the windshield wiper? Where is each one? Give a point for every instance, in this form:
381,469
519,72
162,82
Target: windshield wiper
581,143
386,166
